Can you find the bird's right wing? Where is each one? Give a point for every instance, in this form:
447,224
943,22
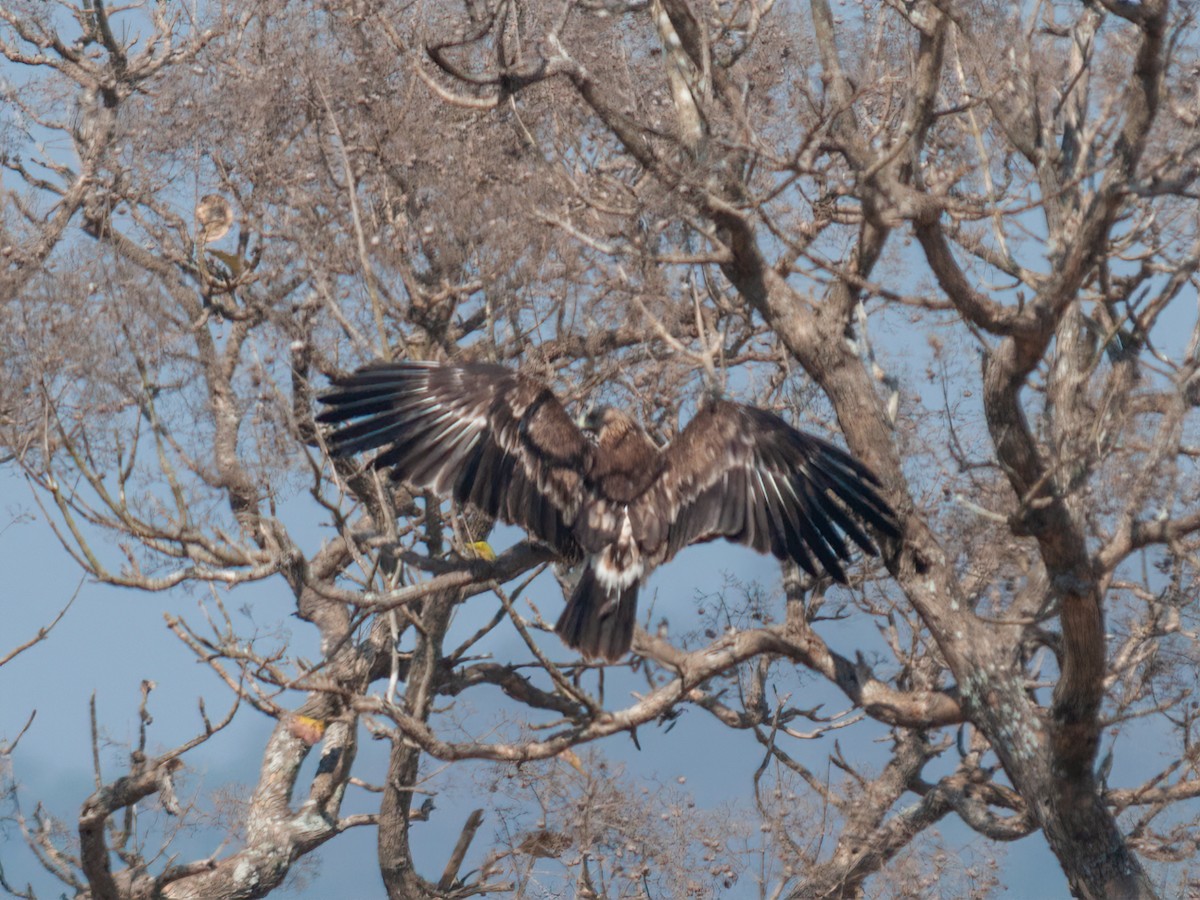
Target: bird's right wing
482,433
744,474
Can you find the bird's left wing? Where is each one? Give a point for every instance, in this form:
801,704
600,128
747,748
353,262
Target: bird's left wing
478,432
744,474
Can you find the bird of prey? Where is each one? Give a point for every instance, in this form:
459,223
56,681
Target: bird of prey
605,493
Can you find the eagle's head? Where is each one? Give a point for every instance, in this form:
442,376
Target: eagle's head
598,419
608,424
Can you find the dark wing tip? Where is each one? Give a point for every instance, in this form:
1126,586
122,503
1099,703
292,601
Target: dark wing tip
745,474
477,432
379,405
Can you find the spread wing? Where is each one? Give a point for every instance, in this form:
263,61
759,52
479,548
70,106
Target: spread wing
477,432
744,474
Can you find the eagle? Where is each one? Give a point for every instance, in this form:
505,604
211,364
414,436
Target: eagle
602,492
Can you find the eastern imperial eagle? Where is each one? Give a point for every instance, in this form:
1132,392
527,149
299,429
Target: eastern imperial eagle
502,441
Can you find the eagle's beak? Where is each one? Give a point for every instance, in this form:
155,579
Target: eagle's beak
585,421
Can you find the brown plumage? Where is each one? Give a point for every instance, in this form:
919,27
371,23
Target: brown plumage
502,441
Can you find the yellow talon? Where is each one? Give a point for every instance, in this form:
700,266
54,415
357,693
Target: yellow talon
479,550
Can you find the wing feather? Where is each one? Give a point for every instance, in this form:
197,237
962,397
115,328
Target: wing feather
744,474
730,504
478,432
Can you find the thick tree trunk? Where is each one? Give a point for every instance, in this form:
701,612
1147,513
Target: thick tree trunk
395,854
395,811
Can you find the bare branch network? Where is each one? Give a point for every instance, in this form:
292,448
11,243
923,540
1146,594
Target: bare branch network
960,238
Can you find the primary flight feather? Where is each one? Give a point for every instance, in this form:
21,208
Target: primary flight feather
606,493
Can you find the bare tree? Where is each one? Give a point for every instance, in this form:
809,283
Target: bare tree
212,210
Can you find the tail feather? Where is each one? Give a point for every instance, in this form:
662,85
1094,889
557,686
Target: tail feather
597,624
